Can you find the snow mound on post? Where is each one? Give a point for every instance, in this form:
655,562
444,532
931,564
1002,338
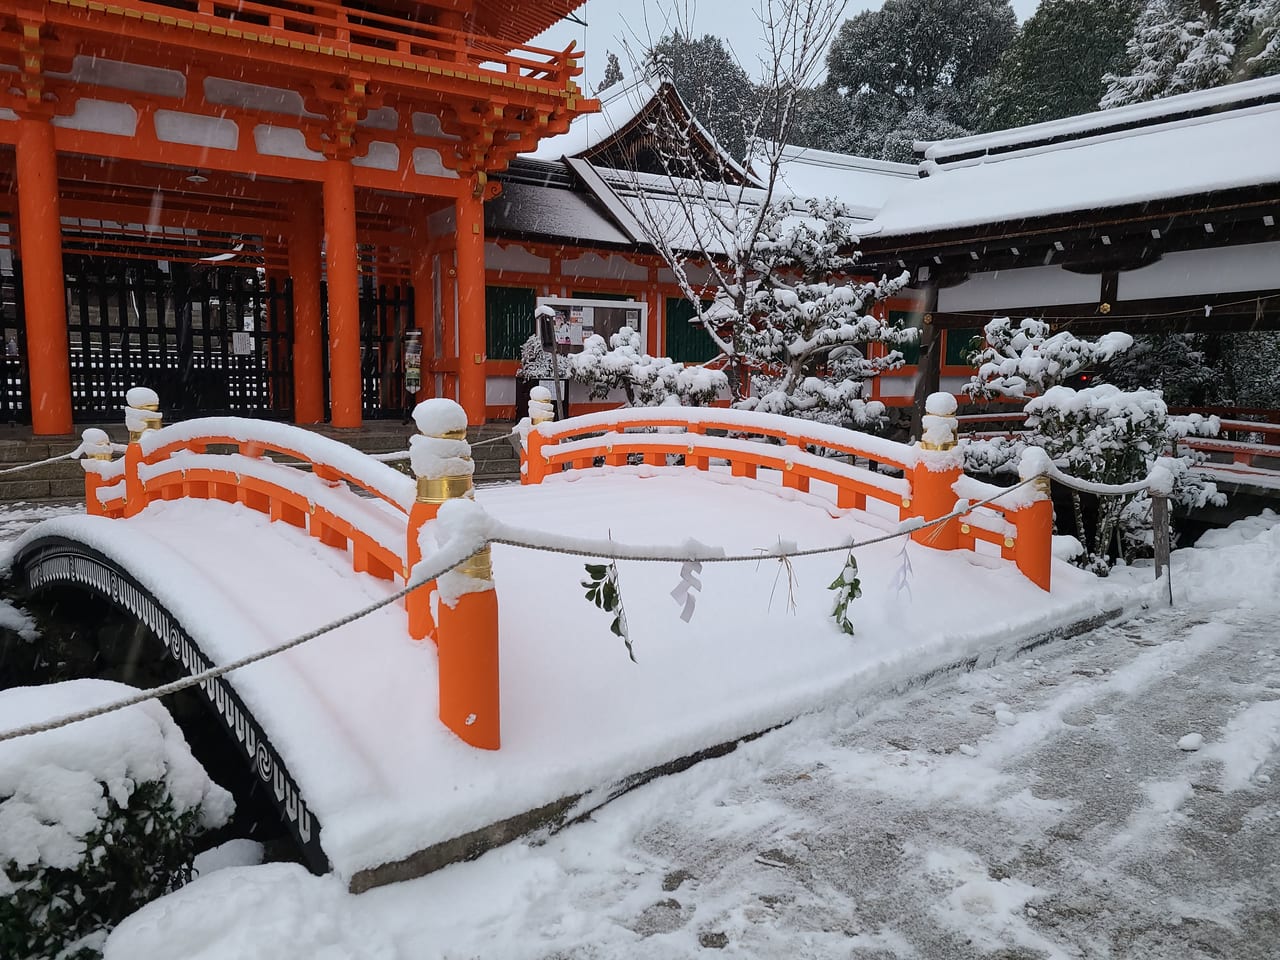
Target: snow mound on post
52,783
940,405
438,416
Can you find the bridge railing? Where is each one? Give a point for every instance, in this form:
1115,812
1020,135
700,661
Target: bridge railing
343,498
1246,441
932,480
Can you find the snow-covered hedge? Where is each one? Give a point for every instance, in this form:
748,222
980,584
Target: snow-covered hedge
96,818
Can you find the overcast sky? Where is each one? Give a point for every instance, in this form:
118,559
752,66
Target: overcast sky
612,21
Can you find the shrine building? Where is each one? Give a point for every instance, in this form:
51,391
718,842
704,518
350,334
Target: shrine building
245,205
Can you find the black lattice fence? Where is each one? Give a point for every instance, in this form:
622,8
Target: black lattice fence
209,340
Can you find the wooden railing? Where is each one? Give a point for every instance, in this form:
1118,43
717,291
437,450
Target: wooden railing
929,488
1244,440
321,26
332,491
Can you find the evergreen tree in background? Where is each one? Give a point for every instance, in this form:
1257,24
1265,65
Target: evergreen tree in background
1055,65
916,69
1179,46
712,84
612,73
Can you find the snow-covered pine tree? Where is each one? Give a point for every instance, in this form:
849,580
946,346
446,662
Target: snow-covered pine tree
711,82
1176,364
770,279
917,68
1258,48
1179,46
1018,360
612,73
805,323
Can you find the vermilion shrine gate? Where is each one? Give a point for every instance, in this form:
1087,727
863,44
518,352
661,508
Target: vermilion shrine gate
259,133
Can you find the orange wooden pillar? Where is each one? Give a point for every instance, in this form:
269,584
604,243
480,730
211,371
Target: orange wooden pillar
1033,550
424,316
471,318
43,284
308,347
448,360
342,269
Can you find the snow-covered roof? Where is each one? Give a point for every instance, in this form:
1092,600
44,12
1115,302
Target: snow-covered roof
1113,166
1201,102
622,108
619,106
862,184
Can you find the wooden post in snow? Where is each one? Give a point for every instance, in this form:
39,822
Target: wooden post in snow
1160,539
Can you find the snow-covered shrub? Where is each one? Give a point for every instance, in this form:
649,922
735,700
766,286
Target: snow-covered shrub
1028,358
1176,364
96,818
1100,434
1105,435
647,381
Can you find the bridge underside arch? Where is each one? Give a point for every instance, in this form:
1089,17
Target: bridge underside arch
115,627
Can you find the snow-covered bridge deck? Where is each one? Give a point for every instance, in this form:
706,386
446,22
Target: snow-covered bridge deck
353,714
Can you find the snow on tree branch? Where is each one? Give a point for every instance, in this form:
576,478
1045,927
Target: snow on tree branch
1027,358
646,381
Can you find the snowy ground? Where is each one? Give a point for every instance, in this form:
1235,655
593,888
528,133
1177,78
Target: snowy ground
1040,808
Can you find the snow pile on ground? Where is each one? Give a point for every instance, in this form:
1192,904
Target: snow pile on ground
252,913
52,784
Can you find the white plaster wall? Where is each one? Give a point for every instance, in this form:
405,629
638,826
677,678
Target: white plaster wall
427,163
611,267
698,276
253,96
101,116
283,142
1025,287
1193,272
500,390
384,118
381,156
428,125
197,130
514,258
126,76
898,386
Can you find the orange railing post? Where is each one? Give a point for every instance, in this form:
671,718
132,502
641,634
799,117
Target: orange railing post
466,625
141,415
96,447
1033,551
467,646
935,473
540,411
